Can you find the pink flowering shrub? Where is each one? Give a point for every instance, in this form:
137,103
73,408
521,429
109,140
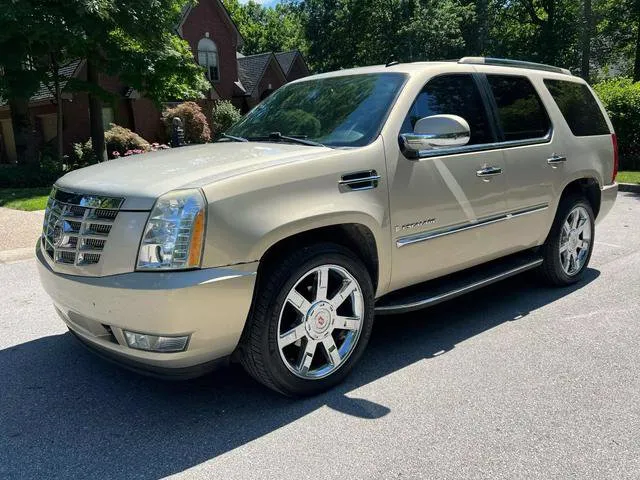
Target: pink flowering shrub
123,140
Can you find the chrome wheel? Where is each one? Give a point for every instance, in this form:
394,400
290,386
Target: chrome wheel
575,240
320,322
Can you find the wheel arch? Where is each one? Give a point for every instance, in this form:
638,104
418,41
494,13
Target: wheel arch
589,187
356,236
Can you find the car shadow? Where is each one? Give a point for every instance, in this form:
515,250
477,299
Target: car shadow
66,413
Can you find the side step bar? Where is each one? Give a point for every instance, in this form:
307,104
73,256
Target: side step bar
439,290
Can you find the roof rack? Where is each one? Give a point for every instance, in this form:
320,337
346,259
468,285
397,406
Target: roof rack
503,62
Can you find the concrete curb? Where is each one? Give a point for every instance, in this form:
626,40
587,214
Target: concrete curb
629,187
17,255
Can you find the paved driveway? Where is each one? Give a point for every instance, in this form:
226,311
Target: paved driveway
19,232
515,381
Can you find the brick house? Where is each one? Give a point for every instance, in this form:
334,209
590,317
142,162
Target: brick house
214,40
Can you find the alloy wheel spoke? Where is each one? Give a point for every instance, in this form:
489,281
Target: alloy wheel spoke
347,289
347,323
584,245
576,218
566,228
573,264
332,350
307,356
564,247
292,336
322,283
298,301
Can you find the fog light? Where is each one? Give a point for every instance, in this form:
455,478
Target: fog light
156,343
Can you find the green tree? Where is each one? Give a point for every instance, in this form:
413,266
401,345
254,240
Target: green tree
268,29
347,33
132,39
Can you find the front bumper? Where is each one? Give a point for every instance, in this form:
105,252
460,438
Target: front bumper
608,196
211,305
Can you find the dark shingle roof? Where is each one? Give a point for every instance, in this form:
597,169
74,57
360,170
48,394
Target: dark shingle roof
46,93
66,72
251,69
286,59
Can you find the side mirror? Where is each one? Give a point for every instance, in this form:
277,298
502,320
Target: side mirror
436,131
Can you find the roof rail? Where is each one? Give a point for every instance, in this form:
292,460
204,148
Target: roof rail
503,62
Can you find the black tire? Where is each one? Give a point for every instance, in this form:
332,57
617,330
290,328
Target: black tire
551,269
259,351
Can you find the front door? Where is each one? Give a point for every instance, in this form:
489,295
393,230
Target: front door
443,209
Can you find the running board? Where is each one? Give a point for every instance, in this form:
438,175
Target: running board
441,289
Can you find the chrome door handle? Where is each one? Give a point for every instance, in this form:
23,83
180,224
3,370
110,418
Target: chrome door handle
555,159
489,172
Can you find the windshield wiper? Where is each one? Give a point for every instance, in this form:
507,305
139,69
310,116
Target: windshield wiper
277,136
234,138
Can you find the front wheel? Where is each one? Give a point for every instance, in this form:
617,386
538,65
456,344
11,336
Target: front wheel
310,322
569,245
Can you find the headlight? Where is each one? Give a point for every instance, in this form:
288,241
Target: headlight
174,234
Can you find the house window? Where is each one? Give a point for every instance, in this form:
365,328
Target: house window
208,58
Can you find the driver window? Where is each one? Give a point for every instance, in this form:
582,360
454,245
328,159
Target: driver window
452,95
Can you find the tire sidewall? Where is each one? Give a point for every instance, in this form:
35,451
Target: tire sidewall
315,257
553,248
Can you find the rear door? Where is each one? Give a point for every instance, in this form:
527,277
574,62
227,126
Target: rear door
534,156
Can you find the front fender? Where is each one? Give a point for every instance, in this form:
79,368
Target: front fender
249,214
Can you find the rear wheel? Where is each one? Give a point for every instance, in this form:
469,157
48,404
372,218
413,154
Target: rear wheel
569,245
310,322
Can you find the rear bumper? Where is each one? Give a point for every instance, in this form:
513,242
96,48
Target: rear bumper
210,305
608,196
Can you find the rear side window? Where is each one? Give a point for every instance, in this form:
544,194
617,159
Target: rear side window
452,95
579,108
520,110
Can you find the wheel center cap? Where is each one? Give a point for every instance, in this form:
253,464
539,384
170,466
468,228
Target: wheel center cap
573,240
319,320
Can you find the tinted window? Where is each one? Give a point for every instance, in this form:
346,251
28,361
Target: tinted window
579,108
338,111
452,95
520,110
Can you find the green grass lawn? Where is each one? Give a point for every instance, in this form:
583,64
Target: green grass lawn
28,199
628,177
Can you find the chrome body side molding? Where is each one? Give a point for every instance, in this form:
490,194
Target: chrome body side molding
440,152
432,234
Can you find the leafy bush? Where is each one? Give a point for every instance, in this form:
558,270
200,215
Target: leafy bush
82,156
621,98
223,116
196,127
121,140
27,176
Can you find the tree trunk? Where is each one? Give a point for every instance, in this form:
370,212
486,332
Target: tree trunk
586,40
636,65
95,114
59,117
23,132
549,32
482,15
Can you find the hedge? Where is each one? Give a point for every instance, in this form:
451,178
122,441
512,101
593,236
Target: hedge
621,98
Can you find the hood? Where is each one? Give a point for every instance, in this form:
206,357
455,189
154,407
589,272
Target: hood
141,179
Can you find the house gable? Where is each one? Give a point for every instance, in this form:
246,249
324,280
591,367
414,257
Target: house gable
210,19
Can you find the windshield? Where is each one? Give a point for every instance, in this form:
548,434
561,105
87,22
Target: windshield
335,111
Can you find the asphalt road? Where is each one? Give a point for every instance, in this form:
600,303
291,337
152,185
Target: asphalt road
514,381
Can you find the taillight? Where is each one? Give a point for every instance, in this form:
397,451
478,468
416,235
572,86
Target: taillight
616,158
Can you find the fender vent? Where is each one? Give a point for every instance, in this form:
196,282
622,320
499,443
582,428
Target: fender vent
365,180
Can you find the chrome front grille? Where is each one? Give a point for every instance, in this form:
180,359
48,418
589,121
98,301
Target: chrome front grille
76,226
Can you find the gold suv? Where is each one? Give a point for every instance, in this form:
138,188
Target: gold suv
344,195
